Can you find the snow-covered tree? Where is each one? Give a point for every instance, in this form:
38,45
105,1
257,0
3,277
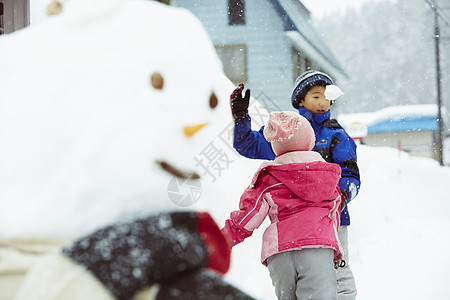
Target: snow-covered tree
387,49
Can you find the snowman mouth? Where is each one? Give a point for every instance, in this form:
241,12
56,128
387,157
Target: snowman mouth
168,167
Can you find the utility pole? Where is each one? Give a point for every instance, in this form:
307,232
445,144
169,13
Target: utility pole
440,144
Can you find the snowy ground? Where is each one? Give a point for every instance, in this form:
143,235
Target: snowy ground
89,112
400,227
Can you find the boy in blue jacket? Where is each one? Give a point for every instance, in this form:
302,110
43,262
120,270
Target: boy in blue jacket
332,142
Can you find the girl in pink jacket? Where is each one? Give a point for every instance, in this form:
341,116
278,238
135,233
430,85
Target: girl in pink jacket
300,193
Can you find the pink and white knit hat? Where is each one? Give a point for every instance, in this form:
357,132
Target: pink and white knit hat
288,131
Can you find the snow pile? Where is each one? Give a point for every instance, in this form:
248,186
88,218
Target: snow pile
400,223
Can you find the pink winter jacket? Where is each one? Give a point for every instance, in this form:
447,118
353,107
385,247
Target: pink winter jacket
300,193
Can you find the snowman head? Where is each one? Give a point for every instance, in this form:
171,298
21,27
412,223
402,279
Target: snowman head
115,110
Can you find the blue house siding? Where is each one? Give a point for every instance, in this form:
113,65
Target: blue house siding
270,65
270,69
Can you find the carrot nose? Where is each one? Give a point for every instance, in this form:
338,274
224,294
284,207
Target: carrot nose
191,130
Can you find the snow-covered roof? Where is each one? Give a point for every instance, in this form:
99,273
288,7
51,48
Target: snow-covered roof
298,27
396,119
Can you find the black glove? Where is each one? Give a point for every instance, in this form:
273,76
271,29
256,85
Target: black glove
239,105
344,199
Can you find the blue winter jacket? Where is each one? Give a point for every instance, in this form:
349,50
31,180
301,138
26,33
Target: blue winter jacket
332,142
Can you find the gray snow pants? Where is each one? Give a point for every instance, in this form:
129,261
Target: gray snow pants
304,274
346,286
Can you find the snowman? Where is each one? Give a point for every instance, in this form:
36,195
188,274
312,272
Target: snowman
102,111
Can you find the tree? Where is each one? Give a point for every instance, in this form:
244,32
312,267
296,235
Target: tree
387,49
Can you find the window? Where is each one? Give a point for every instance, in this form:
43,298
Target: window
236,12
300,63
14,15
234,60
1,18
308,64
297,63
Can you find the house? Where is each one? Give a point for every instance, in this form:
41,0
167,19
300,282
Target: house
411,128
266,44
14,15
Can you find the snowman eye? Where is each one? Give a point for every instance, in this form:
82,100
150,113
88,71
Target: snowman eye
213,101
157,81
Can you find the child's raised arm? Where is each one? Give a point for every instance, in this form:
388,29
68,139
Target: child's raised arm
248,143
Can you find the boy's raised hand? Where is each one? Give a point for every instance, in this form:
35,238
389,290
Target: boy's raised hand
239,105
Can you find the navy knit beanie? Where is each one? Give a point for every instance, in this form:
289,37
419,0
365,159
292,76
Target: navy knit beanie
305,82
